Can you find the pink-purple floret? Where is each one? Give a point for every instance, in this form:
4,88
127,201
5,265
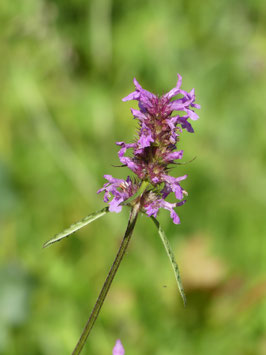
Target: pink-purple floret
154,150
118,348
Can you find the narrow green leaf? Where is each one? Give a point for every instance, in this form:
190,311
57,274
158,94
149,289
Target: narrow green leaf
140,191
171,257
76,226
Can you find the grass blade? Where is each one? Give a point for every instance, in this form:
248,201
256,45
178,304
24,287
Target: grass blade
76,226
171,257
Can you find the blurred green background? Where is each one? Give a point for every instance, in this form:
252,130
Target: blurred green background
64,67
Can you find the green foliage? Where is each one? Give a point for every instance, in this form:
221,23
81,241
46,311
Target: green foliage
171,257
64,67
76,226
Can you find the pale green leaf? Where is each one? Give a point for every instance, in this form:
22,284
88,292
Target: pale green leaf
76,226
171,256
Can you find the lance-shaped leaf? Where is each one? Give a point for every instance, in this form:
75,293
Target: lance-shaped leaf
76,226
171,257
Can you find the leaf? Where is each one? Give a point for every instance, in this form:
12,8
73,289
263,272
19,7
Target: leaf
172,258
76,226
140,191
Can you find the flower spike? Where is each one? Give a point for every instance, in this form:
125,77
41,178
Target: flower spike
154,149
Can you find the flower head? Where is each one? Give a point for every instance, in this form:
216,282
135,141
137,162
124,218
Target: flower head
161,121
118,348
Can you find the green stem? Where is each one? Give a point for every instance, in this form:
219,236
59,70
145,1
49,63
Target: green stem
109,279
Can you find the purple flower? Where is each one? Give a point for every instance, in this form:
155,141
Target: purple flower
174,155
172,184
154,150
120,189
145,138
152,208
118,348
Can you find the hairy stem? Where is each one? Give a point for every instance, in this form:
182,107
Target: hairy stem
109,279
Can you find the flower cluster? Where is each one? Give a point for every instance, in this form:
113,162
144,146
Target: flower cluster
154,150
